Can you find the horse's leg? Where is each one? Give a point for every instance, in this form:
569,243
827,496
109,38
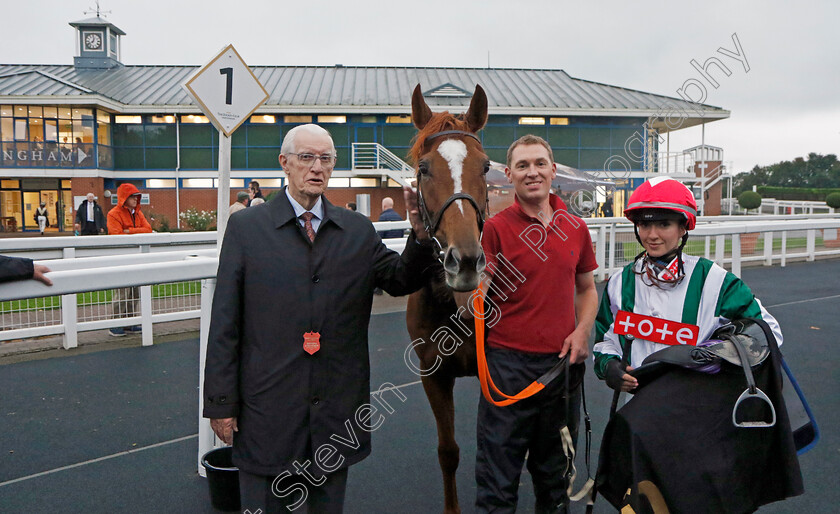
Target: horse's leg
439,390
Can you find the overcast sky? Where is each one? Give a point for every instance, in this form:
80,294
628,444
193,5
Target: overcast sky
786,105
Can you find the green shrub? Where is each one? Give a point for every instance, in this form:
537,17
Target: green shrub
833,200
749,200
814,194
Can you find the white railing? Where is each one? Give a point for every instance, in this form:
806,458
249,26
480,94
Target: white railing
83,275
721,238
780,207
731,243
675,163
91,246
374,156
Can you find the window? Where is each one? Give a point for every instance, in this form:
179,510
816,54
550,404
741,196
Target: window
364,182
197,182
270,182
193,118
155,183
263,118
10,184
65,184
167,118
6,110
121,119
558,121
20,130
332,119
36,111
532,120
401,119
294,118
339,182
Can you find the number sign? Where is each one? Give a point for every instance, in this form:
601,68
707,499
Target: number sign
227,90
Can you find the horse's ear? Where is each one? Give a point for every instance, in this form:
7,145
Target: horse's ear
420,112
476,115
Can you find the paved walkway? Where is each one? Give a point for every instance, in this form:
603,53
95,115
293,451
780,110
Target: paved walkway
116,431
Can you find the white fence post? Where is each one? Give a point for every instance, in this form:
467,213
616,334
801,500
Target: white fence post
600,250
736,255
146,314
612,246
768,248
811,243
707,246
784,248
720,248
206,438
69,311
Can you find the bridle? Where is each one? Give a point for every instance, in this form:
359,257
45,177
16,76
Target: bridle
432,223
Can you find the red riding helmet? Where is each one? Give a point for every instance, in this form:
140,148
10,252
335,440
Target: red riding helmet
662,193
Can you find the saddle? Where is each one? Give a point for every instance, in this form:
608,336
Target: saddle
743,343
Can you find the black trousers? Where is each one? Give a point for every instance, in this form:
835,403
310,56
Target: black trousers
287,495
532,426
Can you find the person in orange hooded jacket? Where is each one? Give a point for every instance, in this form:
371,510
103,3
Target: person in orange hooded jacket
126,218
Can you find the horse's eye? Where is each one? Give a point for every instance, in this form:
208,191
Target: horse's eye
486,168
424,168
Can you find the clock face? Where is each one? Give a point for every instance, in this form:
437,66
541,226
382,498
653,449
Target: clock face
93,42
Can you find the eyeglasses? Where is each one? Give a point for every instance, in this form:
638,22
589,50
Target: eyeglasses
309,158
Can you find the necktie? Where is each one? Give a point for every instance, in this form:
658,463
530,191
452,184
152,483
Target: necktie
307,225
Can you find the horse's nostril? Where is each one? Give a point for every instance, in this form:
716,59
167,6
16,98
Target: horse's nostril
480,263
452,261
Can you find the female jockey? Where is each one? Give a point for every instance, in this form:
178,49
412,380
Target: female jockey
663,282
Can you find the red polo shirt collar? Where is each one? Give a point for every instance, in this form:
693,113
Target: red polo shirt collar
553,200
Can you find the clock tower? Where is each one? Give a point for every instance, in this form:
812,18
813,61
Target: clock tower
97,44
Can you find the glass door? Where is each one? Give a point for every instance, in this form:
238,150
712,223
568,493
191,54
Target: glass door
31,200
51,199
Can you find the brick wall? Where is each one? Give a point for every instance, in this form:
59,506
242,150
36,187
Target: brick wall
162,201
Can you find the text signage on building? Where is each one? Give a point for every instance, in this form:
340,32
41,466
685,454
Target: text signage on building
53,156
226,90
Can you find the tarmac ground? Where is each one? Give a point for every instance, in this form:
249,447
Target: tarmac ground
115,431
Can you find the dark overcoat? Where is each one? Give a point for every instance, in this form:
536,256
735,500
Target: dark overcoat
15,268
273,286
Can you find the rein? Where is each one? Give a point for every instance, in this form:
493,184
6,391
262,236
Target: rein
432,223
484,372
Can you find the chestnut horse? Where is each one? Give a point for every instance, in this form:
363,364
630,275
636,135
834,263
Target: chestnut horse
452,196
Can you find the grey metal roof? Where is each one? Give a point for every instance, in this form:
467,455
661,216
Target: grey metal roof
346,89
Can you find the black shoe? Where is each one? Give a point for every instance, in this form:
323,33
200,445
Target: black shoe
117,332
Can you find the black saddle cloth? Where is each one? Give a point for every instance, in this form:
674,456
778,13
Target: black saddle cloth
676,439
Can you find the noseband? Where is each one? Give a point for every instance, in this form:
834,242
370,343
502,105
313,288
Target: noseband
431,224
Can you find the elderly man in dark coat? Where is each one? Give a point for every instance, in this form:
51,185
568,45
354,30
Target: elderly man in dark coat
287,376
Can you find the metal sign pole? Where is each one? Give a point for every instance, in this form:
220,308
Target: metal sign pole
224,188
228,93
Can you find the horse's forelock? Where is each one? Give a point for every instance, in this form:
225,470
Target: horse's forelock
440,121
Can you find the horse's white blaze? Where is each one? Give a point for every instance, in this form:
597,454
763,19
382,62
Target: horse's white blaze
454,151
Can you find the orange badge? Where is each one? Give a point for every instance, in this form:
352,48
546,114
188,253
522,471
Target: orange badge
311,342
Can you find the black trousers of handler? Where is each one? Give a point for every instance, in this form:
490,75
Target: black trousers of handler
258,492
532,426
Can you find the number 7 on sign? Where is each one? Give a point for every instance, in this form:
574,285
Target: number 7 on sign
229,87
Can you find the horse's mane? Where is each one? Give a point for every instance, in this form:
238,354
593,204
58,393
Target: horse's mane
440,121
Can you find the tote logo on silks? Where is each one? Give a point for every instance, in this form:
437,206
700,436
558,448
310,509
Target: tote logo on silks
656,330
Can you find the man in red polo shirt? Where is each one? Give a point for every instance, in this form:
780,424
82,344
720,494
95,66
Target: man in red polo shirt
541,262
